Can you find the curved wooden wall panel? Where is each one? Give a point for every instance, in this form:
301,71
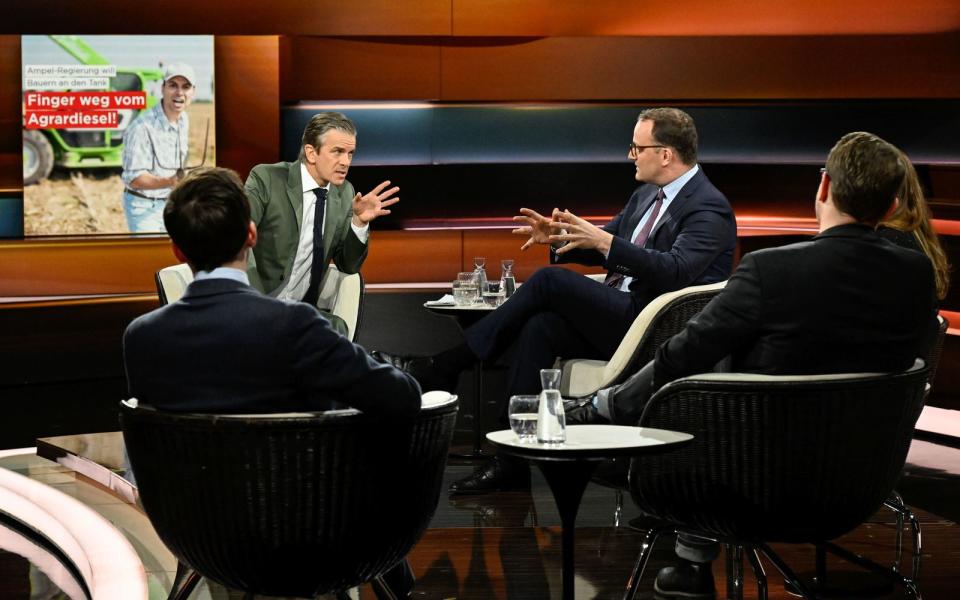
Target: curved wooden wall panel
486,17
625,68
248,101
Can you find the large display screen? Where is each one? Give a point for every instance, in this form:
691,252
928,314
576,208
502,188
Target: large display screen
110,123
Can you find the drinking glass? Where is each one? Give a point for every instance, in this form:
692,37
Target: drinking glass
492,294
523,417
465,290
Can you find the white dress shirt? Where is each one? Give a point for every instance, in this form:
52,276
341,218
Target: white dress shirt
299,281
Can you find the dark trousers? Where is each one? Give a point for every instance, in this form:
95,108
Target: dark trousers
554,313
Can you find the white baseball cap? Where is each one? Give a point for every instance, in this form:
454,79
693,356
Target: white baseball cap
180,70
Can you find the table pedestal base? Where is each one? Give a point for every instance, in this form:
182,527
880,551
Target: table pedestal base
567,481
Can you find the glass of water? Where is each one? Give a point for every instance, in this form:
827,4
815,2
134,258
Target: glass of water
465,291
493,294
523,417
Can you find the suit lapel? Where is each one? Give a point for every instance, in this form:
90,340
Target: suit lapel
642,207
295,193
676,206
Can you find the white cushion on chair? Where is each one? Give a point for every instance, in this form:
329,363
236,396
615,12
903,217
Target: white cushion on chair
583,377
341,294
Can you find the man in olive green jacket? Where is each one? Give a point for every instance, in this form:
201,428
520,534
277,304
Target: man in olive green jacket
286,200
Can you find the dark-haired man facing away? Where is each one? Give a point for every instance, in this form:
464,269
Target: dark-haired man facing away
845,301
224,347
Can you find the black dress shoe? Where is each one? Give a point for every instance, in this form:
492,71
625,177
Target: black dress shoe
687,580
499,474
585,413
422,368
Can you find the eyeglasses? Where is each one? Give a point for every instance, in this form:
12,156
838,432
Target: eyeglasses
635,149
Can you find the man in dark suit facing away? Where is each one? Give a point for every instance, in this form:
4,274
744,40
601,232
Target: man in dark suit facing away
845,301
676,230
227,348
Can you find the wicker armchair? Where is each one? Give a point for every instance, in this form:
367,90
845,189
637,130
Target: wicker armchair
287,504
799,459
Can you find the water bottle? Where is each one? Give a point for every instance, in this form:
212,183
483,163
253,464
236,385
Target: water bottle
551,420
507,282
480,274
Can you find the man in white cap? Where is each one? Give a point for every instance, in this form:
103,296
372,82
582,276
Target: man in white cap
155,151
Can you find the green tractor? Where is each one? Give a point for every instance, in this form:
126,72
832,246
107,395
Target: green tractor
84,148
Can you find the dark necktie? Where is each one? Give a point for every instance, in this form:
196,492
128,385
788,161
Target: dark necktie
316,267
614,279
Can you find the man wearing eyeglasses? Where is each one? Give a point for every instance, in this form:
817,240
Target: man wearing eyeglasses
155,151
677,230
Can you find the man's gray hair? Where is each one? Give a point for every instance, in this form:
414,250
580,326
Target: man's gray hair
320,124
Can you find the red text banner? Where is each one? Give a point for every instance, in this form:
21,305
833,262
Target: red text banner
71,119
84,100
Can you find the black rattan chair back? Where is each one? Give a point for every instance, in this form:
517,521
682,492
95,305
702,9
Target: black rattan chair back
778,459
288,505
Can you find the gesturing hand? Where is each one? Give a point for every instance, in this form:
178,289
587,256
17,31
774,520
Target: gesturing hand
373,205
537,227
578,233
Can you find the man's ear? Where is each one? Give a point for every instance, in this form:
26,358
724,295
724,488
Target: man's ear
893,208
667,155
823,192
251,235
179,253
310,153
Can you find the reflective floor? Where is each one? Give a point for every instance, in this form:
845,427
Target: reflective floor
507,545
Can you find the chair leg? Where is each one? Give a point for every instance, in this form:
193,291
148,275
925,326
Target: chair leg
820,560
758,572
381,589
788,575
633,584
917,545
896,504
618,510
734,571
183,582
908,585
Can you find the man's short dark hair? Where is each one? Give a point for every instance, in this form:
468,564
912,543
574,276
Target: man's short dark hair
320,124
208,216
674,128
865,174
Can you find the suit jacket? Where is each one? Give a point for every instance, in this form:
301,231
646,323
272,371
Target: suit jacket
845,301
225,347
276,206
693,244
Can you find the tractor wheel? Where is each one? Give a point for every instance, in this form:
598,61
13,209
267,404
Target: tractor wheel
37,157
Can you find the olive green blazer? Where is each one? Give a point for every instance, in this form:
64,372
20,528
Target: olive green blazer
276,206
